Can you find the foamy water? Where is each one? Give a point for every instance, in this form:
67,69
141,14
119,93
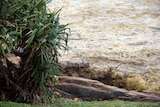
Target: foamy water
111,32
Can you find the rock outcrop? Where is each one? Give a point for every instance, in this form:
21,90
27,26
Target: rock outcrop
86,89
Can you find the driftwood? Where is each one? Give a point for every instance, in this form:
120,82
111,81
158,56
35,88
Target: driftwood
86,89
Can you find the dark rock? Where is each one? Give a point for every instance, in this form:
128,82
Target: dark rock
86,89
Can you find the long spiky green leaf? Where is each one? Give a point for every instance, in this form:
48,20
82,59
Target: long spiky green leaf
26,25
30,40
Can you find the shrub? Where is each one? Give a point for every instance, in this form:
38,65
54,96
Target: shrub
31,35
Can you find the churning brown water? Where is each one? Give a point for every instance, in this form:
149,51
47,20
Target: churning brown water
108,33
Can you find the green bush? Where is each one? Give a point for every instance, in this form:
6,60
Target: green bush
28,31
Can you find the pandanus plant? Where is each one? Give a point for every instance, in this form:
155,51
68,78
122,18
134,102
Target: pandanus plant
33,35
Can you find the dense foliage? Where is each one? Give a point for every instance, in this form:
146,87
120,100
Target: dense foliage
34,36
